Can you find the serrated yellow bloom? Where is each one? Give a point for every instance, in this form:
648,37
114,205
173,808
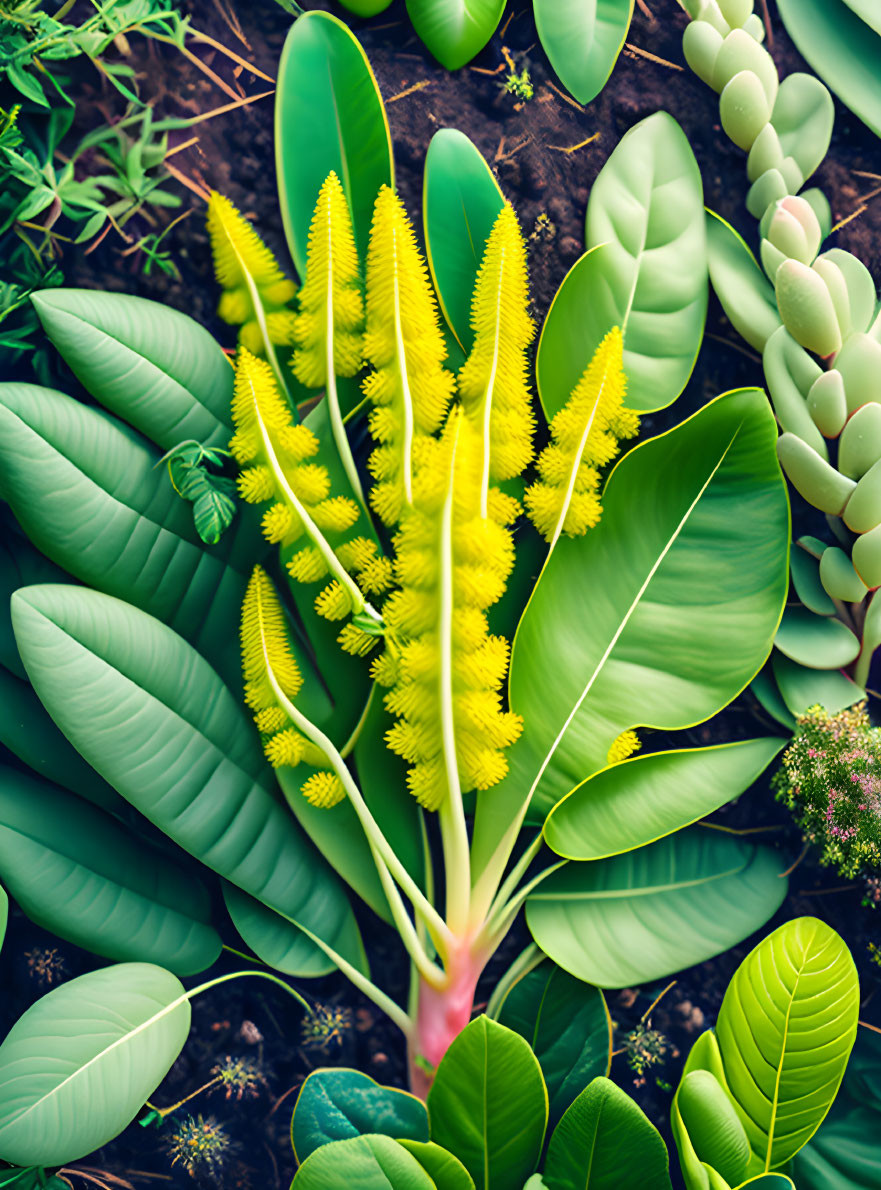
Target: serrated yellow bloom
585,436
302,516
409,387
623,746
446,671
250,277
493,381
272,678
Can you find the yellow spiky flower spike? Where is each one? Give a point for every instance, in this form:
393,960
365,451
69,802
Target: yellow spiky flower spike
302,517
253,284
447,670
493,381
585,436
272,682
409,387
623,746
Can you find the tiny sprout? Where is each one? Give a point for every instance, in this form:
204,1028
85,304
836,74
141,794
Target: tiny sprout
519,84
241,1078
543,228
200,1145
644,1047
326,1028
874,953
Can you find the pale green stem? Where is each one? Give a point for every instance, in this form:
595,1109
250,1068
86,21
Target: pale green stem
349,746
429,971
515,876
498,925
573,475
525,962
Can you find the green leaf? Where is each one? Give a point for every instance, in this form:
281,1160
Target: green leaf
746,294
20,566
818,642
606,1142
640,916
488,1105
648,797
649,277
765,689
802,688
152,366
867,11
156,721
803,117
446,1171
843,51
4,914
583,41
79,874
338,1104
274,940
785,1030
84,488
461,200
455,30
568,1027
366,8
77,1067
368,1162
661,627
328,116
804,567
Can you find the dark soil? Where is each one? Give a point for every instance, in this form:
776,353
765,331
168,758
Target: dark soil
526,144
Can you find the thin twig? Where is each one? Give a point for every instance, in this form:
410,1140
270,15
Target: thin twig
567,98
769,32
866,1025
228,107
827,892
844,222
203,37
420,86
574,148
793,866
194,140
204,194
657,1000
747,830
645,10
641,53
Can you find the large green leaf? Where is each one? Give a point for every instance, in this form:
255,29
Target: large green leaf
149,713
368,1162
801,688
488,1105
446,1171
338,1104
583,41
647,273
276,941
660,615
606,1142
461,200
818,642
868,11
785,1030
647,797
328,116
746,294
84,488
643,915
455,30
842,49
149,364
568,1027
76,872
20,566
78,1066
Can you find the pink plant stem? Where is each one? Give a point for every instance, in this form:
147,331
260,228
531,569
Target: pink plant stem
442,1013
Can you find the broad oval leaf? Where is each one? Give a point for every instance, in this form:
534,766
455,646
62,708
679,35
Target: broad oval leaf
647,273
446,1171
583,41
648,797
801,688
643,915
746,294
328,116
455,30
154,367
339,1104
77,872
803,117
567,1024
77,1067
155,720
488,1105
606,1142
461,200
368,1162
785,1031
818,642
276,941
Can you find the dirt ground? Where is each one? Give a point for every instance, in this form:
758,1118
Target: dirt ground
531,147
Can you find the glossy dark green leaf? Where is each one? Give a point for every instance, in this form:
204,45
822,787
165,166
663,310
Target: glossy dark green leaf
149,364
606,1142
805,570
79,874
328,116
20,566
461,200
368,1162
366,8
648,797
339,1104
446,1171
643,915
77,1067
567,1025
818,642
746,294
765,689
274,940
488,1104
801,687
583,41
155,720
455,30
867,11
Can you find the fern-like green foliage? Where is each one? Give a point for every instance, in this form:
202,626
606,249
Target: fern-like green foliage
302,517
256,292
409,387
493,381
585,436
272,682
